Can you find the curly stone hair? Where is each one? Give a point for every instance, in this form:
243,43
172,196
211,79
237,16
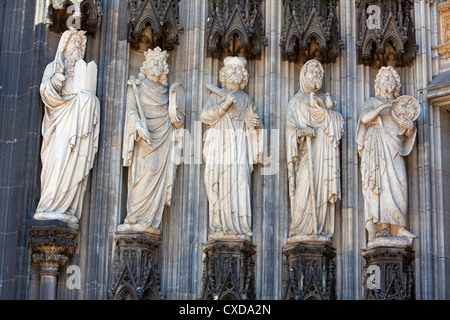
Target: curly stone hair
378,80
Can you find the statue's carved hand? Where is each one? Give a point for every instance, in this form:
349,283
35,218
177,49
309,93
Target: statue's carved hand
406,123
229,100
143,133
58,80
307,132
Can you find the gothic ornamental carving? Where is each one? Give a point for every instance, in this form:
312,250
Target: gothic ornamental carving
235,28
386,33
310,31
309,272
79,14
135,274
228,271
444,18
388,274
154,23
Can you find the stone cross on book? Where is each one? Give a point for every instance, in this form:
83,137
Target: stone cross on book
85,77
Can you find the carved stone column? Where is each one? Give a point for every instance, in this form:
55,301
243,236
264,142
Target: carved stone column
388,273
52,243
309,272
228,270
135,274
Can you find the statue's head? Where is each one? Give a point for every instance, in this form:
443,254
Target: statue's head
311,76
387,83
233,75
72,47
155,67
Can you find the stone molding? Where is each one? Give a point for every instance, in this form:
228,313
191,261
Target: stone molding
304,21
88,12
394,29
396,273
52,243
309,272
135,274
228,270
164,20
230,19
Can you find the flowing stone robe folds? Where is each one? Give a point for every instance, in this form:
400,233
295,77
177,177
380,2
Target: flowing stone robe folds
70,132
382,144
313,202
231,148
152,170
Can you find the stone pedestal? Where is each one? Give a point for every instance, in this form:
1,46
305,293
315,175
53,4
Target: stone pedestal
135,274
228,270
52,243
309,272
388,273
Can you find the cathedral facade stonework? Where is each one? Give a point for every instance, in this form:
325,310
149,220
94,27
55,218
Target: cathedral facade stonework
224,150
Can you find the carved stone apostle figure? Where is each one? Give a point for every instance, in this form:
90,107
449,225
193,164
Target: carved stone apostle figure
232,146
385,134
70,129
150,127
313,132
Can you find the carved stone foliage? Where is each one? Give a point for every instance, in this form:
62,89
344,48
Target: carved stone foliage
135,274
228,271
386,33
52,243
80,14
235,28
154,23
310,31
389,274
444,18
309,272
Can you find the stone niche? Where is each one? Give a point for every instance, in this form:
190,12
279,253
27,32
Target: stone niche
154,23
235,28
310,31
79,14
386,33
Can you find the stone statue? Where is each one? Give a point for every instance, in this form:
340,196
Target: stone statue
70,129
233,144
313,133
152,117
386,134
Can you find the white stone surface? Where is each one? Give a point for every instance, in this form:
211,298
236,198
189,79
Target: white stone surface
385,135
313,133
152,118
70,130
233,143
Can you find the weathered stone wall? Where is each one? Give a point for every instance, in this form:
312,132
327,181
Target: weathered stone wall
26,46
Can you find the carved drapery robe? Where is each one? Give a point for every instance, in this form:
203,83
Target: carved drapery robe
382,144
70,132
152,170
230,150
314,174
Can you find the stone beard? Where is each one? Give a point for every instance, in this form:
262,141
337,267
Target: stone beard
148,147
232,145
383,139
70,132
313,132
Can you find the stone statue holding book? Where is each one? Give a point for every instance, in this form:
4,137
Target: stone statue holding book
70,129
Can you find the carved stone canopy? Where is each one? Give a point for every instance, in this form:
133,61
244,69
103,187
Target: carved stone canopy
386,33
310,30
80,14
235,28
154,23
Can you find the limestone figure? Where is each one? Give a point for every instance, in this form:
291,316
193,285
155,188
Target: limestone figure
154,112
385,135
233,145
70,129
313,133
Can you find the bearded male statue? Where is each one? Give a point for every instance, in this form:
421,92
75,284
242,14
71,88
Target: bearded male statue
151,120
385,134
232,146
313,133
70,129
